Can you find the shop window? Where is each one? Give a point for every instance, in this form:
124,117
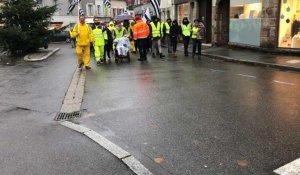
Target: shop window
183,11
245,21
289,24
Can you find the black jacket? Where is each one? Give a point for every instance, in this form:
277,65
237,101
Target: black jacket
175,31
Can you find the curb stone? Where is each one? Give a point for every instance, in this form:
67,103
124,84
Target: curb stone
252,63
26,58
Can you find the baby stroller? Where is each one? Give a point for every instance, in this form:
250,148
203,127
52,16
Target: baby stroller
122,49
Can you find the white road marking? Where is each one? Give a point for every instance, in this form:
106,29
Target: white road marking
293,61
216,70
75,127
292,168
282,82
248,76
136,166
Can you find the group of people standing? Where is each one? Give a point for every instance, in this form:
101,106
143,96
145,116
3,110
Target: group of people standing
144,37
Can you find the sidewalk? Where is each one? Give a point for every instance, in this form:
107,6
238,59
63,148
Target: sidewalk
254,58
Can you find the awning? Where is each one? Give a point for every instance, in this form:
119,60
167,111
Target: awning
166,4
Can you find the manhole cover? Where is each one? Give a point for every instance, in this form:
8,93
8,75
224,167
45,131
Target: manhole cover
67,116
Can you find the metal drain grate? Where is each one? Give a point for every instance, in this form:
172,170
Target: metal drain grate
67,116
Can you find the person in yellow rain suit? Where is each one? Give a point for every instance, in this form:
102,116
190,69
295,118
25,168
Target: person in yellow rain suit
100,39
84,36
111,26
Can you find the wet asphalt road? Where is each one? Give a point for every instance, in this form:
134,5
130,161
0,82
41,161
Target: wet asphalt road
187,116
32,143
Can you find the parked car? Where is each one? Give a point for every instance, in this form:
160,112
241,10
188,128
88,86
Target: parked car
59,36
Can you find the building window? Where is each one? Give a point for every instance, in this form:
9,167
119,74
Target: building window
245,22
90,10
289,24
98,10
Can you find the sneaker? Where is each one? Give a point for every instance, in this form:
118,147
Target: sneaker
88,67
80,65
102,61
162,56
98,63
175,56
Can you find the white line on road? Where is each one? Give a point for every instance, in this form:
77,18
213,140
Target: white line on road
292,168
217,70
282,82
120,153
248,76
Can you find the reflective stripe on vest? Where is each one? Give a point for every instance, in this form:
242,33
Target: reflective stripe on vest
155,30
119,34
186,30
195,31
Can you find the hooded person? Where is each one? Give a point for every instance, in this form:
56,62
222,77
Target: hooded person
132,41
156,35
111,26
175,31
186,33
166,33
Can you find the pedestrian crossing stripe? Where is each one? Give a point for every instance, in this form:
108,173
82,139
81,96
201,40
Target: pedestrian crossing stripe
292,168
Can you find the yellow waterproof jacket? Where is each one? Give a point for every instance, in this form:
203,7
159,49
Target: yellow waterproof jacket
100,37
111,26
85,36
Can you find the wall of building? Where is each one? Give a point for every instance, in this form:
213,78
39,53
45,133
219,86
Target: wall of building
270,15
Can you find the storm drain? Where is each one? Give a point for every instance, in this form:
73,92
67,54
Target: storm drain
67,116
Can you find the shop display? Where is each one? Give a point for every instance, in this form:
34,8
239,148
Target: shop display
289,24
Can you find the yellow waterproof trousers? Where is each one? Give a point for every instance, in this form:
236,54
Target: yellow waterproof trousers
99,52
83,52
132,43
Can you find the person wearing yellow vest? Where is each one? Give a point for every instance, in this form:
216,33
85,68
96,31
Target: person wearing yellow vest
156,36
119,31
84,36
198,34
166,32
100,39
186,33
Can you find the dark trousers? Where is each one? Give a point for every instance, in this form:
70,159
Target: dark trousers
173,43
186,41
142,45
107,49
197,45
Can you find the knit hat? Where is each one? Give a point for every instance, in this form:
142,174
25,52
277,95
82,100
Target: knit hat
137,18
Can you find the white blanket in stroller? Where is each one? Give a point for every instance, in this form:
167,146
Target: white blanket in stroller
123,46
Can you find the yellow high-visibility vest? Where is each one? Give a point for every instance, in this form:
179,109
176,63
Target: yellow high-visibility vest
155,29
186,29
99,36
195,31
